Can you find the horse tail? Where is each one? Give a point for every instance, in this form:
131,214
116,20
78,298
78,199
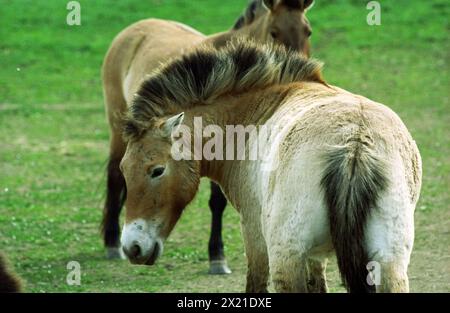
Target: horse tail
352,181
9,282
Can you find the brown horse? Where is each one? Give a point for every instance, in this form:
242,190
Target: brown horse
140,49
9,282
337,171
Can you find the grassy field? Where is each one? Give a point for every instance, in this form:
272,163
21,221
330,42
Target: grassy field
54,138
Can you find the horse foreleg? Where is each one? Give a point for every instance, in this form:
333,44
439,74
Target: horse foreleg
217,204
115,198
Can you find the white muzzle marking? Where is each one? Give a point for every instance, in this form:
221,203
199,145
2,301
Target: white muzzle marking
142,233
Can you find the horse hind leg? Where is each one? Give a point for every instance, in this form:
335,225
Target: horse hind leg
296,271
317,281
217,262
288,262
288,271
388,264
389,239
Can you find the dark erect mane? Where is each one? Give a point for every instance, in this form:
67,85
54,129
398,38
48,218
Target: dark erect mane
249,14
201,76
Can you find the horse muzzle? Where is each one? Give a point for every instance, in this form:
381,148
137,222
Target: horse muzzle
139,255
141,242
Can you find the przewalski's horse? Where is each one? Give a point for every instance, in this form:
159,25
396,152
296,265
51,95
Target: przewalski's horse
9,282
140,48
342,171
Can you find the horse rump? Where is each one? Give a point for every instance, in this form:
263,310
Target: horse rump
352,181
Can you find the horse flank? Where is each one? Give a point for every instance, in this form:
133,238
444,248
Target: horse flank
208,73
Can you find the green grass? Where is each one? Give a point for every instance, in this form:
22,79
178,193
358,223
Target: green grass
54,138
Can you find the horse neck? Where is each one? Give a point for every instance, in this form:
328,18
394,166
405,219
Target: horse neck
220,39
252,30
251,108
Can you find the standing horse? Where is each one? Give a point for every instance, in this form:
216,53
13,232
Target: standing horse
341,172
139,49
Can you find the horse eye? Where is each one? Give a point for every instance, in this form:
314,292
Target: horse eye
273,34
158,171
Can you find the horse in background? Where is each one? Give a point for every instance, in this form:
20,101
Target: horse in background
338,172
139,49
9,282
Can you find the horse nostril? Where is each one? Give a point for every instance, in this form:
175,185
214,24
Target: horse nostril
133,252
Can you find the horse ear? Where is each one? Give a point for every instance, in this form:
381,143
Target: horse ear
172,124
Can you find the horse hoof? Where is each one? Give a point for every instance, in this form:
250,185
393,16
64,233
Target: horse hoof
219,267
115,254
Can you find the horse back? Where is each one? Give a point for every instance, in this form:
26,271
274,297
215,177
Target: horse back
141,48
